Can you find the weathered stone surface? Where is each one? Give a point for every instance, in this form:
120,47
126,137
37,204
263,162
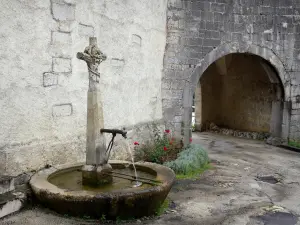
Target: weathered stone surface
63,11
62,65
62,110
137,39
86,30
61,38
95,140
12,202
276,141
117,62
50,79
226,27
95,143
27,51
6,184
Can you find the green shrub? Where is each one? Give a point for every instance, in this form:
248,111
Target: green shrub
160,148
294,143
190,160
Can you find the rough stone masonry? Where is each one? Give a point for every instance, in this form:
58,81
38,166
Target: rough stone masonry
199,32
158,52
43,85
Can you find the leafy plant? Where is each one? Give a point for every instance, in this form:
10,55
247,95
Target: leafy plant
190,161
160,148
194,174
294,144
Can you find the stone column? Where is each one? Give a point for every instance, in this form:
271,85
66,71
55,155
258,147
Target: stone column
187,115
96,168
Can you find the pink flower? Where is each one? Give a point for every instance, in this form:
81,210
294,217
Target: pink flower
191,139
136,143
165,148
167,131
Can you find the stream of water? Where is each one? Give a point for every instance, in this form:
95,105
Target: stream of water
136,183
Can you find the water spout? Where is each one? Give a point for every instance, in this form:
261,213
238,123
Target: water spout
114,132
136,183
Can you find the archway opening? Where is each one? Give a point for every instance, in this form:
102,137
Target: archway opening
240,92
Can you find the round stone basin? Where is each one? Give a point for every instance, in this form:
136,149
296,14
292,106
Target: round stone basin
61,190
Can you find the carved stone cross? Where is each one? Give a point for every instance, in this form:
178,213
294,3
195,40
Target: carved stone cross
93,57
95,140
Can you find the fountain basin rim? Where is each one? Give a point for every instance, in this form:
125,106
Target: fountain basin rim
40,184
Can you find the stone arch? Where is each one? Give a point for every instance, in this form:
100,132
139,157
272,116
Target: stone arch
279,77
229,48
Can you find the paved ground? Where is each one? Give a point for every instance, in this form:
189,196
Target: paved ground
251,183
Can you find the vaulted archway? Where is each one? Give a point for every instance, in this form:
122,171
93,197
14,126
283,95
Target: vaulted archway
274,69
240,91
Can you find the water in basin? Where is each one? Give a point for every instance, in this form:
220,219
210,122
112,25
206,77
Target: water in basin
71,180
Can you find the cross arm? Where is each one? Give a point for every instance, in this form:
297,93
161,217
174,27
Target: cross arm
84,57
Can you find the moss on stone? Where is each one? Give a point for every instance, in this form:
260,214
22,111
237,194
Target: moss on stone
163,207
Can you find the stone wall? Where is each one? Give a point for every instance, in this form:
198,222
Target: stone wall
202,31
236,93
43,86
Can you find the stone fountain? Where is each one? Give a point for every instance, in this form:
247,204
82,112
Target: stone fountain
101,187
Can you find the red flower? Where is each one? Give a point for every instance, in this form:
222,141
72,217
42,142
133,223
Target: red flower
167,131
136,143
191,139
165,148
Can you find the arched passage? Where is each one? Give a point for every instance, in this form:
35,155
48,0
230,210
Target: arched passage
240,91
242,47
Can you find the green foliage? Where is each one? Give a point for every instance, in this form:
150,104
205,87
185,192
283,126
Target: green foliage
193,174
163,207
159,148
103,218
190,161
294,144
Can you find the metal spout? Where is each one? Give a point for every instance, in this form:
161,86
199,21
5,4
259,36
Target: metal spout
114,132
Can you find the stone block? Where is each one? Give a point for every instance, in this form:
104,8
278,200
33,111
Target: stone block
63,11
207,16
62,110
169,114
211,42
6,184
237,37
67,26
219,17
166,103
177,94
136,39
22,178
71,2
61,38
166,84
195,41
187,97
11,203
178,85
86,30
62,65
117,62
50,79
177,119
